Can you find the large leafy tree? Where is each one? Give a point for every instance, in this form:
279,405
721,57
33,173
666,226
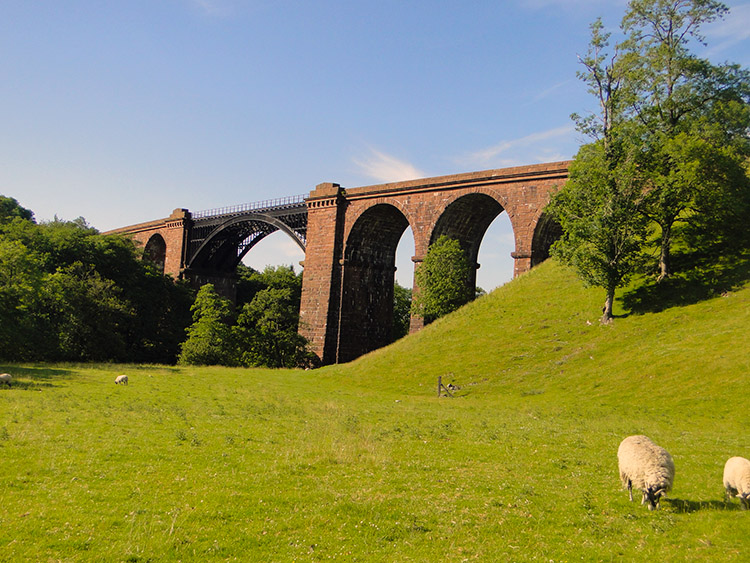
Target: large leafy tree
442,280
209,339
266,330
267,326
69,293
598,208
694,117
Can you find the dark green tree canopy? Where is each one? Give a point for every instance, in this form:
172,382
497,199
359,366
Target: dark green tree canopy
68,293
10,209
442,279
209,339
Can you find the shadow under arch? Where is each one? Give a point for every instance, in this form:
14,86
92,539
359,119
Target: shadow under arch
155,252
466,220
368,273
546,232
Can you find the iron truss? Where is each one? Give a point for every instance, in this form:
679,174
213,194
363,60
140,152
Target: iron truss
220,238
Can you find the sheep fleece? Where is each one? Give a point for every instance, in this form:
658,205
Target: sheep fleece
645,464
737,476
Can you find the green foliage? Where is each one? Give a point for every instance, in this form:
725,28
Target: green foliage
10,209
362,462
401,311
693,113
266,330
670,146
598,210
69,293
250,282
87,313
209,339
442,279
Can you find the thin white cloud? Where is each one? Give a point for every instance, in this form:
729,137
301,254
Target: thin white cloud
211,7
726,33
387,168
543,146
549,91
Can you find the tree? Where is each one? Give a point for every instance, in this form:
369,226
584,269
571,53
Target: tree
442,280
598,208
87,315
10,208
401,311
266,331
210,340
21,279
693,114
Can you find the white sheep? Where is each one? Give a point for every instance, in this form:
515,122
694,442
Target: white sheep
647,467
6,378
737,480
121,379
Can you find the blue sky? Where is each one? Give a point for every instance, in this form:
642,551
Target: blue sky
120,111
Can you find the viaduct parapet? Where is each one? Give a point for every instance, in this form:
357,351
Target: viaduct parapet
350,238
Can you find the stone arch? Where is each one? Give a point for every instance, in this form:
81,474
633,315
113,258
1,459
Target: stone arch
466,219
546,232
155,252
367,273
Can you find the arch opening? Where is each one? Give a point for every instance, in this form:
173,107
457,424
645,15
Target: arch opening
547,231
275,249
155,252
467,220
495,254
368,275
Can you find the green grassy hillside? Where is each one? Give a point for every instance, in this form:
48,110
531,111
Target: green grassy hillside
363,462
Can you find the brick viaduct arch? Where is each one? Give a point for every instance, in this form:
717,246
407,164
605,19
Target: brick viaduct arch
350,237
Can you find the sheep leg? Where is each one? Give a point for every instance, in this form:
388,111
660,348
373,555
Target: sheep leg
630,489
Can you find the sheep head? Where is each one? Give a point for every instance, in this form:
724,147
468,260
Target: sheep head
653,496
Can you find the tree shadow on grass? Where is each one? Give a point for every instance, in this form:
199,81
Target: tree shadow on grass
36,377
689,506
700,276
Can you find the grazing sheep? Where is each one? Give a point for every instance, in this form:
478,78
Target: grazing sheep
647,467
737,480
6,378
121,379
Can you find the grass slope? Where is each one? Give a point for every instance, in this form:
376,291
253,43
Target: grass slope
363,462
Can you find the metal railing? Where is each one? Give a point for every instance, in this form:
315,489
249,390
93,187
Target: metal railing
289,201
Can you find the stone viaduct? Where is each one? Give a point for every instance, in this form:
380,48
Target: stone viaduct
350,238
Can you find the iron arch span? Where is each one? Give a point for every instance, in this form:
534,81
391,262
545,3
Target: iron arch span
224,246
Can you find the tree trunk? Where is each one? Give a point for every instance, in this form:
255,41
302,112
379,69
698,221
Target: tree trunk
607,309
665,268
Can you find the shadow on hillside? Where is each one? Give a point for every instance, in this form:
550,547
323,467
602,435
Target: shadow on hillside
35,378
699,276
688,506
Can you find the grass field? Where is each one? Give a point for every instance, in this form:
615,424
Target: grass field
363,462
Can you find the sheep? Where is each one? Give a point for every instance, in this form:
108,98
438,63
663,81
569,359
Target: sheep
6,378
121,379
737,480
647,467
